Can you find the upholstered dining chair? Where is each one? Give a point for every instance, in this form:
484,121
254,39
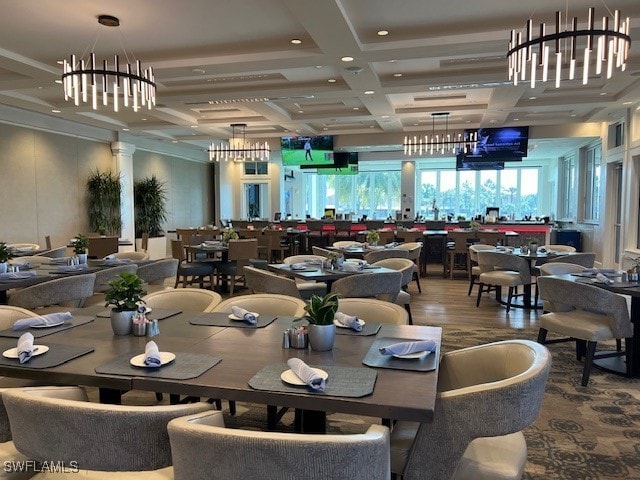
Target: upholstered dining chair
23,247
381,285
32,260
185,299
103,277
414,250
154,274
190,272
486,395
472,263
373,310
307,288
559,248
57,252
502,270
104,441
585,259
202,448
239,255
346,244
322,252
377,255
263,281
133,256
9,455
264,303
278,244
407,268
55,295
587,315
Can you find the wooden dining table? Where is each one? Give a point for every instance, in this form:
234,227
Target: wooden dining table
398,394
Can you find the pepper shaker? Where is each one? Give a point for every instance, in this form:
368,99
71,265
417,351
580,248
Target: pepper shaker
286,340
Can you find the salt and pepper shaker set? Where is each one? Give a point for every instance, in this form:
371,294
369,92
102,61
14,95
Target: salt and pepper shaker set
295,338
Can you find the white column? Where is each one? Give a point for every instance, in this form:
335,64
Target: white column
122,154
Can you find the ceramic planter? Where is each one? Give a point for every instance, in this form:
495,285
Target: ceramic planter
121,322
321,337
3,267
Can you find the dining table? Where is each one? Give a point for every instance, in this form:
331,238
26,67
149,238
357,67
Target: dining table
320,273
242,363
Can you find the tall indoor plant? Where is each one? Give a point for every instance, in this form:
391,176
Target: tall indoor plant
320,314
103,202
5,256
125,293
150,202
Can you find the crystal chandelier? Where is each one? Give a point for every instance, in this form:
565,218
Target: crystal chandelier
238,149
441,142
531,59
87,81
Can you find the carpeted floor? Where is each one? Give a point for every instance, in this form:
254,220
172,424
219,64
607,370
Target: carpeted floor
582,433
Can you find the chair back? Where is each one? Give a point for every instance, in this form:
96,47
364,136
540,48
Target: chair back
585,259
134,256
54,253
100,247
484,391
263,281
564,295
9,315
414,249
373,310
492,238
382,285
303,258
69,291
32,260
185,299
156,272
103,277
57,422
265,303
489,261
322,252
560,268
347,243
47,241
559,248
475,248
458,242
386,236
184,234
377,255
402,265
242,250
410,235
201,449
177,250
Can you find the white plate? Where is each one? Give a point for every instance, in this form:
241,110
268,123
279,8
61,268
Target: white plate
292,379
340,325
49,325
410,356
165,357
233,317
13,352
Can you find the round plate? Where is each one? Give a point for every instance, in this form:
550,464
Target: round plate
233,317
340,325
292,379
165,357
303,267
13,352
49,325
414,355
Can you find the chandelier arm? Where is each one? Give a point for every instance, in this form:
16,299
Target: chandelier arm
562,35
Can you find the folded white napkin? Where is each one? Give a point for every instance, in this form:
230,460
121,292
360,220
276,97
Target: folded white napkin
298,266
25,347
152,354
48,319
72,268
390,245
307,374
604,271
602,279
405,348
13,275
350,321
110,257
246,315
351,267
117,261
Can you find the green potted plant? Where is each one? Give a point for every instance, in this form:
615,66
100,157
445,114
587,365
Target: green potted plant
320,313
125,294
5,256
104,190
373,237
229,234
150,208
80,244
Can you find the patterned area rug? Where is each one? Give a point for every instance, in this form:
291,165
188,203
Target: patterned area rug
590,433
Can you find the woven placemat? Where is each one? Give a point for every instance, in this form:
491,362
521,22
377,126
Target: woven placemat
184,367
368,329
76,321
57,355
374,358
156,313
342,381
219,319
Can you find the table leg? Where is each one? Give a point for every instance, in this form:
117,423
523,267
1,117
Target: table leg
313,421
110,395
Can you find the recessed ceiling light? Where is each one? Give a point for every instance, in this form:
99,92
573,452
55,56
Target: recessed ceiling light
383,33
370,126
516,119
60,62
174,141
300,111
356,108
347,59
532,98
194,126
603,93
369,92
573,114
55,111
332,80
384,116
58,81
143,119
415,124
397,74
125,129
392,61
318,66
296,41
199,71
627,103
467,121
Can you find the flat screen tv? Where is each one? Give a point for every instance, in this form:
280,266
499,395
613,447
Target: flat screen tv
307,150
348,170
464,162
505,143
339,160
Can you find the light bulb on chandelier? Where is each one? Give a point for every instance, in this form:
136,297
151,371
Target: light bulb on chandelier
238,149
441,142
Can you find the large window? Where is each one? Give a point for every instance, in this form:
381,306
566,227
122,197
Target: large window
468,193
592,183
566,177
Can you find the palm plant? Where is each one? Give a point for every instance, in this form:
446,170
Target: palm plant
150,200
104,190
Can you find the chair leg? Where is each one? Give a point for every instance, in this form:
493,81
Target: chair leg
407,307
588,362
480,289
471,284
542,336
628,342
619,345
232,407
509,298
417,279
581,349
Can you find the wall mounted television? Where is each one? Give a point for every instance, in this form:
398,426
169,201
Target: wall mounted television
507,144
307,150
339,160
348,170
469,163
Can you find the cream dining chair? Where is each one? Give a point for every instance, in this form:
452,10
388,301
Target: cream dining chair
184,299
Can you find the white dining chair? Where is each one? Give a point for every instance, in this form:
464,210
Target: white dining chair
184,299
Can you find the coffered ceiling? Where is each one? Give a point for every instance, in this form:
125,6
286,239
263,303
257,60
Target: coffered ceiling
219,62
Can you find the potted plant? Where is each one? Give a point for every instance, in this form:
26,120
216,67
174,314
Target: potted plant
228,235
373,237
5,256
104,190
150,208
320,313
474,226
80,245
125,295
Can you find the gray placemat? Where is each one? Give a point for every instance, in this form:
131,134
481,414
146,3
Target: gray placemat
184,367
375,359
342,381
76,321
219,319
368,329
156,313
57,355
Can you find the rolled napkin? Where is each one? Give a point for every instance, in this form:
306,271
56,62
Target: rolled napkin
72,268
152,354
14,275
25,347
298,266
59,261
604,271
405,348
602,279
116,261
246,315
390,245
307,374
350,321
42,320
351,267
110,257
